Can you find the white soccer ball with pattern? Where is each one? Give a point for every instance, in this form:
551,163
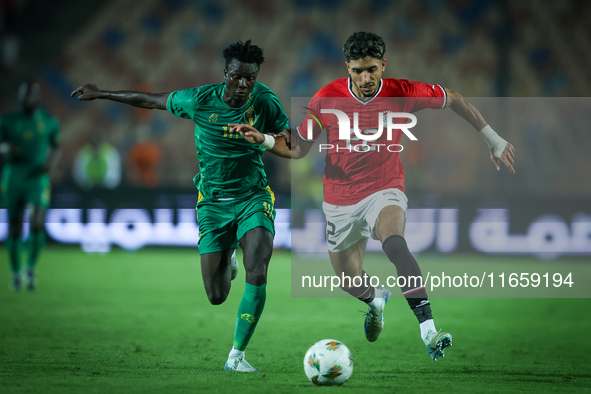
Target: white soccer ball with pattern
328,363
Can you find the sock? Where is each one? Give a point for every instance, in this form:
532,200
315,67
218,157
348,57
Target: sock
365,292
397,251
422,311
14,246
35,243
249,312
375,303
235,352
426,326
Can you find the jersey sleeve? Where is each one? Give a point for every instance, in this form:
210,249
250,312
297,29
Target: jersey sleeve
183,103
276,119
427,95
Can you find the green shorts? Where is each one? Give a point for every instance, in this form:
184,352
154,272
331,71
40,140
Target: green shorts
17,192
223,223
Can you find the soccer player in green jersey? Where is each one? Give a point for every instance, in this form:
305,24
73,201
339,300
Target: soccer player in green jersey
235,205
29,142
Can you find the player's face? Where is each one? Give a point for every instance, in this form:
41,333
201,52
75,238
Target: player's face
28,95
365,75
240,80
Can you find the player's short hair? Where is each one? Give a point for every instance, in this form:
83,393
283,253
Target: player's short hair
362,44
244,53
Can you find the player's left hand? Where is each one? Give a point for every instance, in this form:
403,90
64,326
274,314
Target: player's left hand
87,92
249,133
507,157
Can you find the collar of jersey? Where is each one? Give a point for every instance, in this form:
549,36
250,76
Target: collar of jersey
236,109
357,98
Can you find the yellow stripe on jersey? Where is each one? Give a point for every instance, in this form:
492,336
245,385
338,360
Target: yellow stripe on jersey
197,209
199,199
268,188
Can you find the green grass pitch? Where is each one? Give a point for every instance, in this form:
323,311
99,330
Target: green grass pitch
140,322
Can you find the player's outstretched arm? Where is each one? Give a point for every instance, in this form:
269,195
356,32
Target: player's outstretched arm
499,148
276,144
90,92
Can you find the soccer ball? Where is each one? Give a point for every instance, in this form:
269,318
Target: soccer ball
328,363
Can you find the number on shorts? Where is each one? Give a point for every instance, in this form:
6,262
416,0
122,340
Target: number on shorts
330,231
268,209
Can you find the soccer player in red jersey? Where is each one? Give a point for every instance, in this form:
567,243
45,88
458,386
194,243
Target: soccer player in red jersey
364,178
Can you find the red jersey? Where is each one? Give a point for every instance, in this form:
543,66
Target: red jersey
357,168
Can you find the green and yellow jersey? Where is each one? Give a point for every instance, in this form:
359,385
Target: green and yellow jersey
229,166
33,135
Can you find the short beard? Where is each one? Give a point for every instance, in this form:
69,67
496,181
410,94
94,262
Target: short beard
367,94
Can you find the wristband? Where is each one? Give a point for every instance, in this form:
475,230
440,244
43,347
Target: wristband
268,143
493,140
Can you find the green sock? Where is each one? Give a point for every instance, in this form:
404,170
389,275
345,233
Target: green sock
249,312
15,247
35,243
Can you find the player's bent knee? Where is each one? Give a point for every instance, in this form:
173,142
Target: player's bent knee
217,299
217,294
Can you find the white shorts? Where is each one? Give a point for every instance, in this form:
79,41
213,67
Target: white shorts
348,224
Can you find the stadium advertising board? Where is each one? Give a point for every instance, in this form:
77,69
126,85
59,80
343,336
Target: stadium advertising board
510,230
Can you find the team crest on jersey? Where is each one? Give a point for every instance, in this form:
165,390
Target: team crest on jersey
386,118
250,116
213,118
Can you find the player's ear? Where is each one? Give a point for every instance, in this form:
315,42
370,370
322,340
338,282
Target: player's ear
348,67
225,73
383,65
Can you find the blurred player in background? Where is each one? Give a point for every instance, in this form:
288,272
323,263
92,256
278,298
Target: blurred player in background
29,143
236,205
364,185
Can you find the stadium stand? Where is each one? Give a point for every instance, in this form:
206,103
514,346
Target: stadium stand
479,48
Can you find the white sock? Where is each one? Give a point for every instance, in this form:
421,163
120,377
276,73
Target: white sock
426,326
376,302
236,352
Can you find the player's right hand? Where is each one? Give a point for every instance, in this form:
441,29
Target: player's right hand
249,133
88,92
10,149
